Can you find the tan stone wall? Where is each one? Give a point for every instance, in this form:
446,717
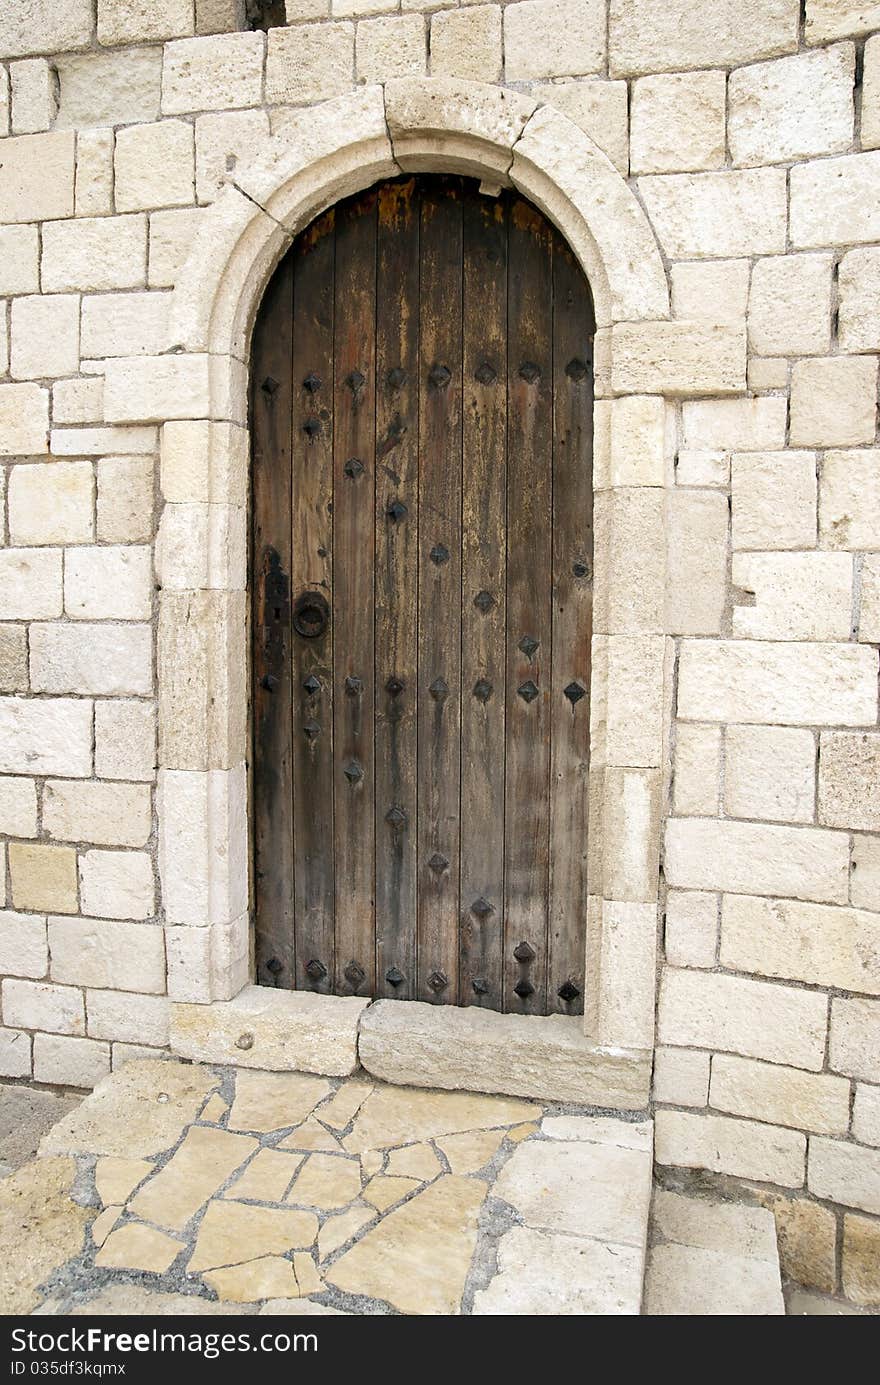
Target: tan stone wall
752,141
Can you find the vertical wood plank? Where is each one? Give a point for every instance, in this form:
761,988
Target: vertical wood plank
270,625
529,511
312,572
573,328
483,611
439,592
397,565
353,595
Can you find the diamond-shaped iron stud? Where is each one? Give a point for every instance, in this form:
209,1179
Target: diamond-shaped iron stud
439,689
524,989
353,468
439,554
529,372
524,952
574,692
438,982
354,975
355,381
439,376
396,816
312,685
396,511
484,601
269,386
274,966
480,985
485,374
354,685
482,690
577,369
316,970
528,646
312,383
395,686
311,730
527,691
394,977
482,908
312,427
269,682
353,772
396,377
580,569
438,863
568,992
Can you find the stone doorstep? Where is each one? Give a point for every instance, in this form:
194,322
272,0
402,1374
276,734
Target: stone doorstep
546,1057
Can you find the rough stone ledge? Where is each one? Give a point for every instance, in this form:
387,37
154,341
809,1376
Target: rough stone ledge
466,1049
279,1031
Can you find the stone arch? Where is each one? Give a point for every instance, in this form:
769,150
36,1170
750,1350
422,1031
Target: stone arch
319,156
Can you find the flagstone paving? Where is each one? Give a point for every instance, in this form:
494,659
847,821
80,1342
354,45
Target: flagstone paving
176,1188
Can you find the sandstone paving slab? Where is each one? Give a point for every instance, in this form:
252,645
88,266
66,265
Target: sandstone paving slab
471,1151
581,1188
522,1132
266,1101
138,1247
267,1177
601,1130
214,1109
40,1229
104,1223
400,1116
731,1227
418,1256
344,1105
138,1111
383,1193
804,1303
311,1135
116,1179
412,1161
542,1274
269,1277
26,1115
373,1160
326,1181
299,1307
684,1281
232,1232
336,1231
129,1300
307,1277
202,1164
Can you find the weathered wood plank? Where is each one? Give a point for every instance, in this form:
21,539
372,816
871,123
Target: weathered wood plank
312,573
573,329
397,566
270,625
529,511
439,592
483,611
353,596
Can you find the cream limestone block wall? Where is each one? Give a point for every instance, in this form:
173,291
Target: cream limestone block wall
717,171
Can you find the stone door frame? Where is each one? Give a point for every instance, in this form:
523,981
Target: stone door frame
198,390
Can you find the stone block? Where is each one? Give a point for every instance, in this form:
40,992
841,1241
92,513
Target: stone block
96,253
695,467
310,63
42,878
743,1149
792,108
24,420
108,583
45,336
129,324
36,177
142,1019
622,948
96,442
780,1095
32,87
861,1260
213,74
43,26
690,935
770,773
97,89
51,503
30,583
696,774
792,596
681,1076
835,201
807,1236
768,373
125,499
68,1062
94,173
278,1031
778,683
626,713
201,679
102,658
19,259
467,43
849,772
854,1046
849,500
629,442
830,19
866,1115
13,658
870,122
678,358
600,108
78,401
154,166
220,16
391,47
751,857
696,591
790,305
721,215
801,942
631,551
36,1005
203,845
738,425
773,500
143,21
757,1019
18,810
677,122
155,388
15,1053
117,884
833,401
469,1049
846,1173
109,954
102,814
711,290
45,736
208,963
172,234
645,34
864,885
221,141
858,288
572,39
125,740
24,950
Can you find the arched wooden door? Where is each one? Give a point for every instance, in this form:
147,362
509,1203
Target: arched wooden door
421,583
